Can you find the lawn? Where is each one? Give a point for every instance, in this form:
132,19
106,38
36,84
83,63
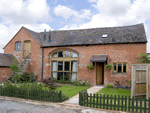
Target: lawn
111,91
71,90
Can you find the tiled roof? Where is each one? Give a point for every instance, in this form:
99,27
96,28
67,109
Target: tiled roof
35,35
123,34
6,59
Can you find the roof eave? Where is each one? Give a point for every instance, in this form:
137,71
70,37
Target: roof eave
94,44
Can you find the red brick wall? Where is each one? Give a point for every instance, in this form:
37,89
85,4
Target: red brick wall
116,53
36,51
5,73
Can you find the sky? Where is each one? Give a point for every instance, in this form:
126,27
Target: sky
38,15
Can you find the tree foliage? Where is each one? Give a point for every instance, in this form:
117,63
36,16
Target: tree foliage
14,67
143,58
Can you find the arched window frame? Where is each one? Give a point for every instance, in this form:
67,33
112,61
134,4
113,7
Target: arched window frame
72,61
18,46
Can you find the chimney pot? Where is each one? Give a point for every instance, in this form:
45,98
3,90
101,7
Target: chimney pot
44,34
49,35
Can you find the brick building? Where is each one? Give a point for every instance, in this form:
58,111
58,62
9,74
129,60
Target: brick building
5,63
65,54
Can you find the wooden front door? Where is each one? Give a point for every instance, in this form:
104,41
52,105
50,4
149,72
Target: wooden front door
99,73
27,48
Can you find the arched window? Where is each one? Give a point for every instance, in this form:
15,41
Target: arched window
18,46
64,65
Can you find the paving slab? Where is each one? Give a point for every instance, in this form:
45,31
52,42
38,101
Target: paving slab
75,99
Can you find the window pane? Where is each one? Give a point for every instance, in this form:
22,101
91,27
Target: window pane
67,65
114,67
60,54
67,53
54,55
74,66
124,68
18,46
60,66
73,77
119,68
54,74
67,76
54,66
73,54
60,75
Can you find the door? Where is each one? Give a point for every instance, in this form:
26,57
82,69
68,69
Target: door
27,48
99,73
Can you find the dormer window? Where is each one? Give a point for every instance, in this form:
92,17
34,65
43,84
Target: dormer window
104,36
18,46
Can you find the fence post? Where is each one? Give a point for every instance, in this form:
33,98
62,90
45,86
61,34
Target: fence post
80,98
60,96
149,103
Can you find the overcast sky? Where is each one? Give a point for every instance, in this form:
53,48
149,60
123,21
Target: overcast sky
38,15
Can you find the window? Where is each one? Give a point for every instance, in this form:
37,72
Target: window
120,67
18,46
64,65
104,36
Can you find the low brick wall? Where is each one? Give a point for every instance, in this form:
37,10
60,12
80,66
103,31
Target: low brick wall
5,73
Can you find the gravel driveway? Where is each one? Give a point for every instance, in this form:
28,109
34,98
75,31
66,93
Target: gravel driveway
12,106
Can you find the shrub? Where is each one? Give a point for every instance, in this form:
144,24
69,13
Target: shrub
50,83
25,77
15,77
87,84
81,83
62,81
109,66
54,79
90,66
64,97
109,86
69,82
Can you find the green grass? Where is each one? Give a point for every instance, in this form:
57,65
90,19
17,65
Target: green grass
71,90
111,91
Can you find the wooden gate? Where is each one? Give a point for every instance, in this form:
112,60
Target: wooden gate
140,83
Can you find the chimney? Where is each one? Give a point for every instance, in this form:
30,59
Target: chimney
44,34
49,35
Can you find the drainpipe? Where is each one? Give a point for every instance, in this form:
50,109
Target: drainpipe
43,52
42,61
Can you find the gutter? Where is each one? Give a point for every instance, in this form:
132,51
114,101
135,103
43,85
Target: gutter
95,44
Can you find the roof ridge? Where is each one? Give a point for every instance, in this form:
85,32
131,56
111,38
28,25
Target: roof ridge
87,28
29,29
101,27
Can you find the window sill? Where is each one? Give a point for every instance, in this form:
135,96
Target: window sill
119,73
17,50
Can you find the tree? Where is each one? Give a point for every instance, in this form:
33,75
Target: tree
15,69
143,58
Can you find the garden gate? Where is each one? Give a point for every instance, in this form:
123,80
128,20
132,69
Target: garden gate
140,80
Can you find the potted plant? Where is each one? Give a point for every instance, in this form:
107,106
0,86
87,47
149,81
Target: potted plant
109,66
90,66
